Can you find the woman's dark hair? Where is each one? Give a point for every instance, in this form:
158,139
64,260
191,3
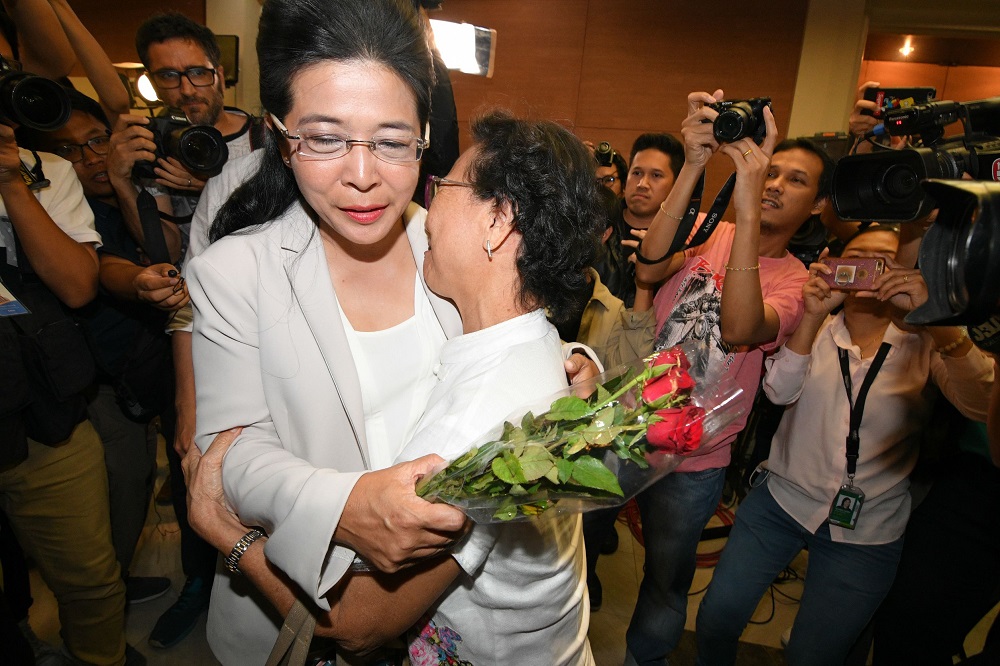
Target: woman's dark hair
546,176
837,249
174,25
295,34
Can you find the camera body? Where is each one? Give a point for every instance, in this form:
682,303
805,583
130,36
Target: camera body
853,273
604,154
31,101
885,185
740,119
201,149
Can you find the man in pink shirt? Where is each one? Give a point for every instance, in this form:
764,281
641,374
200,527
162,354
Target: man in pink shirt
739,293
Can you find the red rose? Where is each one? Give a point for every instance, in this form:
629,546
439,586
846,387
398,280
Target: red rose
679,430
672,382
672,356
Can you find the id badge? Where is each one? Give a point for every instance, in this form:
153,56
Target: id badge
9,305
846,507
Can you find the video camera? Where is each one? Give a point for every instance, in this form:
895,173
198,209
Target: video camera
604,154
885,185
201,149
31,101
740,118
960,260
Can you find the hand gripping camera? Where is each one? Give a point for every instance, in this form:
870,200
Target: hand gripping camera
199,148
738,119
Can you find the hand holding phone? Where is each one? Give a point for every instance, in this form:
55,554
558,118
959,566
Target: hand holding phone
853,273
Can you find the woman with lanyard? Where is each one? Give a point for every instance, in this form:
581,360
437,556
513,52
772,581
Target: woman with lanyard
856,389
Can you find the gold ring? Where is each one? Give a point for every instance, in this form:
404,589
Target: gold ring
749,150
906,278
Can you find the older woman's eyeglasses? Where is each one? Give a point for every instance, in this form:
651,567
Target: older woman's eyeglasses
74,151
315,144
435,183
171,78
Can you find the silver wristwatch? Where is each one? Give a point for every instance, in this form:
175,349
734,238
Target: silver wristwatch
233,559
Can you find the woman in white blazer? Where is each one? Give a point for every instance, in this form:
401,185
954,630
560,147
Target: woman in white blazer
313,328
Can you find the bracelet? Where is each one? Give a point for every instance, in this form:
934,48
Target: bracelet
954,345
241,547
745,268
672,217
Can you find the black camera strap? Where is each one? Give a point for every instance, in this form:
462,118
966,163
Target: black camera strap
709,224
153,242
858,407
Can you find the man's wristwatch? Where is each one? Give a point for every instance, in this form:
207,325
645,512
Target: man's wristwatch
233,559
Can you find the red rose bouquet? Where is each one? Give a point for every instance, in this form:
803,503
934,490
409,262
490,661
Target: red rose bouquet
587,453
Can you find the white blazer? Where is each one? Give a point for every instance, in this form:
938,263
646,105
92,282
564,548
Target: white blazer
270,354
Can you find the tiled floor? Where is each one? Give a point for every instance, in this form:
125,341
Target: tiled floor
159,554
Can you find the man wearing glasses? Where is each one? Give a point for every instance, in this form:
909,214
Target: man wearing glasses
183,61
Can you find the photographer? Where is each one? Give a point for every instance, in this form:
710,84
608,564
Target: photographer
739,293
53,483
134,382
184,64
885,366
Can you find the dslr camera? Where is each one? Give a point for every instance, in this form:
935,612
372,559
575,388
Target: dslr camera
31,101
885,185
740,119
199,148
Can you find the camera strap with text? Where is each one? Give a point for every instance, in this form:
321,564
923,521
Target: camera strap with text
708,225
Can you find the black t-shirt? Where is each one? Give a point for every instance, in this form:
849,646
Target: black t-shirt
113,324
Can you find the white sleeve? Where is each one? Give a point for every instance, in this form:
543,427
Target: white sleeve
64,201
297,504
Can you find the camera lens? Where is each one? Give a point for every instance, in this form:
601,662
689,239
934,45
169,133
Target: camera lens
731,125
33,101
202,149
898,183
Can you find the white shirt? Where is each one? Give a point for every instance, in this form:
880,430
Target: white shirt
396,371
521,598
63,200
808,460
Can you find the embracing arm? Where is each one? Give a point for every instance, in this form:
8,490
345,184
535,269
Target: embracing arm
365,611
313,515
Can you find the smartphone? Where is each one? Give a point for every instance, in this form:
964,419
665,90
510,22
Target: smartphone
853,273
897,98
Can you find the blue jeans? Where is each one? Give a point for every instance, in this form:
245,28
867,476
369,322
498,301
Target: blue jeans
844,585
674,512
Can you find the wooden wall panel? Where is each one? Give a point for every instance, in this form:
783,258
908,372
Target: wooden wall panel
114,24
957,83
611,70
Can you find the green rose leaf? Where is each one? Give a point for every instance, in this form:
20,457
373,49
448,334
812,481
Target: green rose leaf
565,468
591,473
568,408
535,462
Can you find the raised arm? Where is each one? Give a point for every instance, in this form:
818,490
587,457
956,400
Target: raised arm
745,318
96,64
67,267
44,48
699,146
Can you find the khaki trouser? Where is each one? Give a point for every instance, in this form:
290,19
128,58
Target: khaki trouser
57,503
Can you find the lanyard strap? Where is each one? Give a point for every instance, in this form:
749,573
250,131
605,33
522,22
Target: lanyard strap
858,408
711,219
